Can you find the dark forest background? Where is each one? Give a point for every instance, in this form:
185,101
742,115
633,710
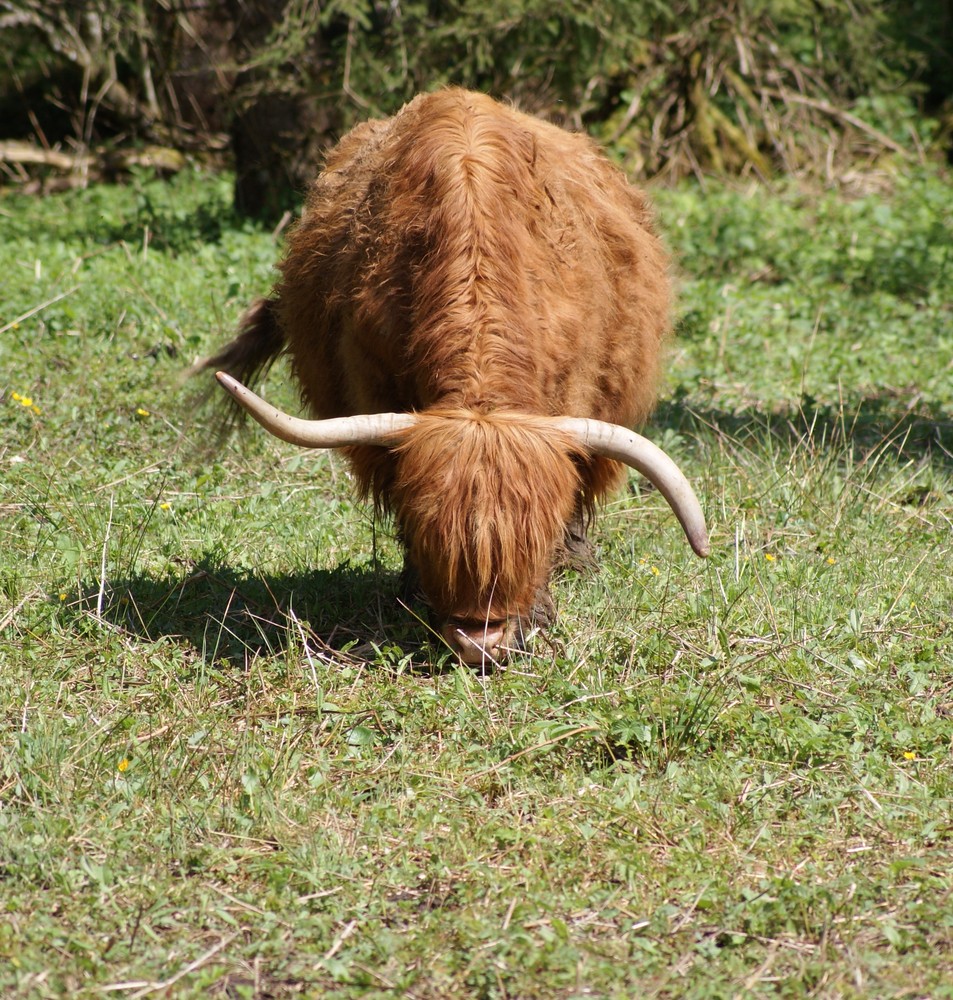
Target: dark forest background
90,89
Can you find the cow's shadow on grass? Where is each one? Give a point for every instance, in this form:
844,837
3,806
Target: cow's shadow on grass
870,426
352,613
357,612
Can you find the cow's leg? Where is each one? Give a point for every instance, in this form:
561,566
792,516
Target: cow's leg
576,552
408,588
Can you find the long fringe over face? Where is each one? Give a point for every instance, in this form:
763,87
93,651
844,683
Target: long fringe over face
481,502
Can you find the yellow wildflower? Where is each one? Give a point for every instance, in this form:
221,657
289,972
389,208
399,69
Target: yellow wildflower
909,755
140,412
26,401
123,764
770,556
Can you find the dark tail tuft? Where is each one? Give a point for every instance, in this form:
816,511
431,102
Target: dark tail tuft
248,357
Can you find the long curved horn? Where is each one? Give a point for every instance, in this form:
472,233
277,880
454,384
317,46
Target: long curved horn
596,436
338,432
613,441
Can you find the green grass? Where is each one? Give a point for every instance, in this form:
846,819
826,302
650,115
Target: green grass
230,763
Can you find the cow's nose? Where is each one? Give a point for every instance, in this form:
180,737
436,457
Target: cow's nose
476,643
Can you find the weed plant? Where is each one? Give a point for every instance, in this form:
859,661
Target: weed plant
232,765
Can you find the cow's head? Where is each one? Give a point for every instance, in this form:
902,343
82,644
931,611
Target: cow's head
481,501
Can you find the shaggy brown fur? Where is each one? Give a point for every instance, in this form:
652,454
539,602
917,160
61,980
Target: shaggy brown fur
480,267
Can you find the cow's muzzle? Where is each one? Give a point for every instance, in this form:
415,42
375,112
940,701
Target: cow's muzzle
479,643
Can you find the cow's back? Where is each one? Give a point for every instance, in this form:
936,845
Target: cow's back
463,254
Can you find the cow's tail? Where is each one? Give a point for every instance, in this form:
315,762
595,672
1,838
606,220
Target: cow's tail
260,341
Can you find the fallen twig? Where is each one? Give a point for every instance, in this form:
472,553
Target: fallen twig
36,309
144,988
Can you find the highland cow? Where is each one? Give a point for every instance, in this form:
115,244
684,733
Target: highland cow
474,304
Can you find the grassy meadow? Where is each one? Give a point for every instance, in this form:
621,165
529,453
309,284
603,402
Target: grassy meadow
231,765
